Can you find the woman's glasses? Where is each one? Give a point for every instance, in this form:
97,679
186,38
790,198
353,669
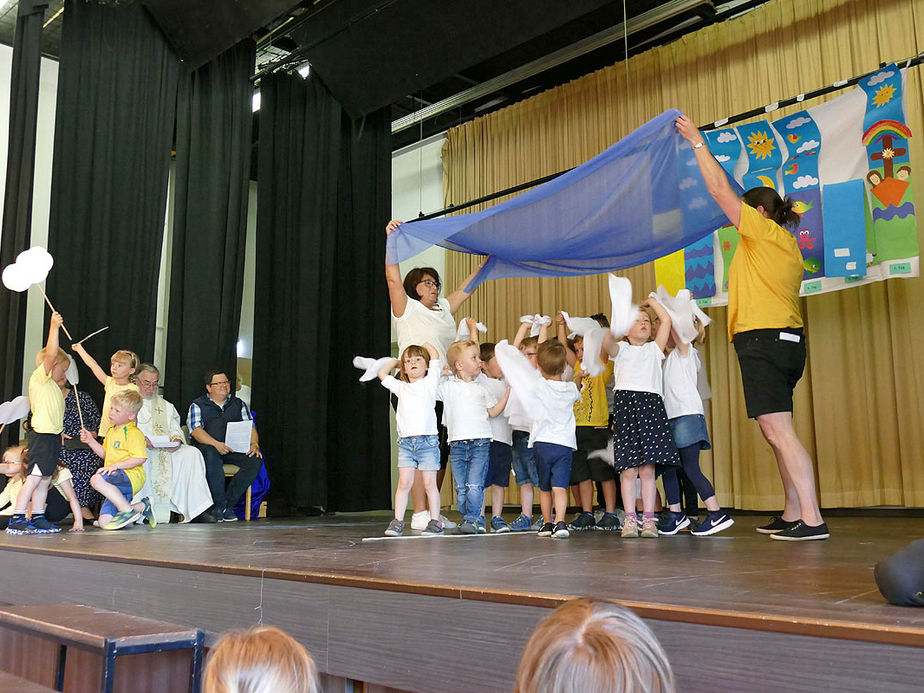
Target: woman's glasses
429,282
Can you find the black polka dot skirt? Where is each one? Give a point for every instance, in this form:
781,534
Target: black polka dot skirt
641,434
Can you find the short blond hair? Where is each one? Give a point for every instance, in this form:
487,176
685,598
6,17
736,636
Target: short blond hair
260,660
62,359
593,645
456,350
129,400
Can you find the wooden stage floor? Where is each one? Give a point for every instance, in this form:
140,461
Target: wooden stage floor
731,609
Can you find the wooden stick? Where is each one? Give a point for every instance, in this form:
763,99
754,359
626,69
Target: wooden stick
92,334
77,398
2,426
54,311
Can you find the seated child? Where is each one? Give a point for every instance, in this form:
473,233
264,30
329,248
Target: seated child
61,498
122,476
467,406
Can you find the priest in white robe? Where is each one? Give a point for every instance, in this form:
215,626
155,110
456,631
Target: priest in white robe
175,472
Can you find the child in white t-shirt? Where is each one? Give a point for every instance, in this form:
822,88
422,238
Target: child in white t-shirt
467,406
500,456
418,441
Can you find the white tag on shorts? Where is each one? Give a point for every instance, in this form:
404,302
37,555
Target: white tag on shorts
790,337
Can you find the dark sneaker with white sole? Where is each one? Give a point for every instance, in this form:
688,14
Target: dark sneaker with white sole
546,529
560,531
608,522
715,522
803,532
672,522
776,524
584,520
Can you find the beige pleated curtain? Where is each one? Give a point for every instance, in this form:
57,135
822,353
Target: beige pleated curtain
858,409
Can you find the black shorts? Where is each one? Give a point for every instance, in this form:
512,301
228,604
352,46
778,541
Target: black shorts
771,363
590,439
44,451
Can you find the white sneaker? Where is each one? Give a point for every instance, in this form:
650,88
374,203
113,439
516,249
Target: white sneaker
447,523
419,521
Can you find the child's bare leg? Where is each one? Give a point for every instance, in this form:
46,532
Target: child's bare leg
560,499
526,498
545,503
433,494
418,493
586,497
627,479
609,495
497,500
649,491
405,481
32,489
111,493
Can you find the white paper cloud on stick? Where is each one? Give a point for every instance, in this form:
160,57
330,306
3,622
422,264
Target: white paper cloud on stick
31,267
14,410
73,377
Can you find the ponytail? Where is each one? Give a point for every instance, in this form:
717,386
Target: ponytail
777,209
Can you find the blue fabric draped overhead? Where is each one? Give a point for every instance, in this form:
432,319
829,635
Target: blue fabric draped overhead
639,200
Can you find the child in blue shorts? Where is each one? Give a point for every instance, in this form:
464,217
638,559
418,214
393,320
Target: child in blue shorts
500,455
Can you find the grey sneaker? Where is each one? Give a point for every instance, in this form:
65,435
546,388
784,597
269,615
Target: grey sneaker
395,528
433,527
468,527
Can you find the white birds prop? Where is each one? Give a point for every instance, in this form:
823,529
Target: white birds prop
682,309
623,313
463,333
31,267
370,366
13,410
537,321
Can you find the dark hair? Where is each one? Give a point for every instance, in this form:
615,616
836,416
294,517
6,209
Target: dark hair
777,209
415,276
601,319
487,351
213,372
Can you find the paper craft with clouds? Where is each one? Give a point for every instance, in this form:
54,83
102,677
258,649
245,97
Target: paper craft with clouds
14,410
31,267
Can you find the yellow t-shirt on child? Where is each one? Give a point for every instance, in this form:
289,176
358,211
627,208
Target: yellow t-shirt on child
764,276
124,443
112,387
46,401
592,410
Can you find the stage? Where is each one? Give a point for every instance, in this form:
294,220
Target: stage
735,611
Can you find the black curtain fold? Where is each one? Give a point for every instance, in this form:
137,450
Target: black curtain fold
17,195
117,86
214,133
323,194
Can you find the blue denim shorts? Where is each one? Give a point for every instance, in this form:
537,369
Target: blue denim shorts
120,480
524,460
688,430
419,452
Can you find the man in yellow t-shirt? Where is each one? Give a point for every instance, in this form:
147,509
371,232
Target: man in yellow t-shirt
122,476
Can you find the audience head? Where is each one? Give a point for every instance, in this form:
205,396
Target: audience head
260,660
592,645
147,379
551,358
218,384
414,363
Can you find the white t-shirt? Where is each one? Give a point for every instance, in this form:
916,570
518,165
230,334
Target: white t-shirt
638,368
419,325
554,421
500,426
516,413
416,415
681,396
465,408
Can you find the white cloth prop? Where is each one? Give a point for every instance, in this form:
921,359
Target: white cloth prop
14,410
31,267
623,313
537,321
605,454
174,477
593,335
463,332
518,372
682,309
370,366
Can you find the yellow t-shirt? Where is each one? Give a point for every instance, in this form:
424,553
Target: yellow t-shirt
764,276
592,410
46,401
123,443
112,387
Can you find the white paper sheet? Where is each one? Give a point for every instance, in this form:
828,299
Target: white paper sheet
237,435
162,442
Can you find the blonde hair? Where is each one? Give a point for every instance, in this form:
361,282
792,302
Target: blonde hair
130,400
260,660
22,452
593,645
551,357
456,350
61,358
129,357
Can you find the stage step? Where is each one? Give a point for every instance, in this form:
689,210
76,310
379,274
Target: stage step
14,684
72,647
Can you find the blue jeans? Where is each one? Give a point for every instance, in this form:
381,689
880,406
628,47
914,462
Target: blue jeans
469,462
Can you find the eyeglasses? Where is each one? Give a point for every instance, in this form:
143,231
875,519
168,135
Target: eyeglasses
221,382
429,282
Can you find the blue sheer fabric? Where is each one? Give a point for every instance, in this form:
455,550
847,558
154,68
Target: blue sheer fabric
639,200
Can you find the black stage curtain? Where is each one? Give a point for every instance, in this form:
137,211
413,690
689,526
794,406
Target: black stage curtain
17,196
214,132
323,195
117,87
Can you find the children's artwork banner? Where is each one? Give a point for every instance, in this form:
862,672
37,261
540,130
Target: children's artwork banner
639,200
845,165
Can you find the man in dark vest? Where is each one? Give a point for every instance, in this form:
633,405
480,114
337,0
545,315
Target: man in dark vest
209,416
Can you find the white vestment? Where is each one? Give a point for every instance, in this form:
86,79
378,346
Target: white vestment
175,481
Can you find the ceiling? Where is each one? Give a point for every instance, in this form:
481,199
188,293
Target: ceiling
435,69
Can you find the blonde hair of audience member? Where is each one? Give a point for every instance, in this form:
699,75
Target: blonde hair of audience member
591,645
552,358
260,660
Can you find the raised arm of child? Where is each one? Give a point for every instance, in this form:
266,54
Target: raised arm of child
522,331
681,348
664,321
501,403
473,330
51,344
543,333
91,363
387,368
431,351
563,339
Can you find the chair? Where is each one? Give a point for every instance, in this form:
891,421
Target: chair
230,470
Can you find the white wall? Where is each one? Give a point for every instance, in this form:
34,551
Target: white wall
44,147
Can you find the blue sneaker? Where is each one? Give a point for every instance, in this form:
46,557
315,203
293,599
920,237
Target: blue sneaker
584,520
672,522
498,525
148,513
524,523
716,521
482,525
41,525
21,526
